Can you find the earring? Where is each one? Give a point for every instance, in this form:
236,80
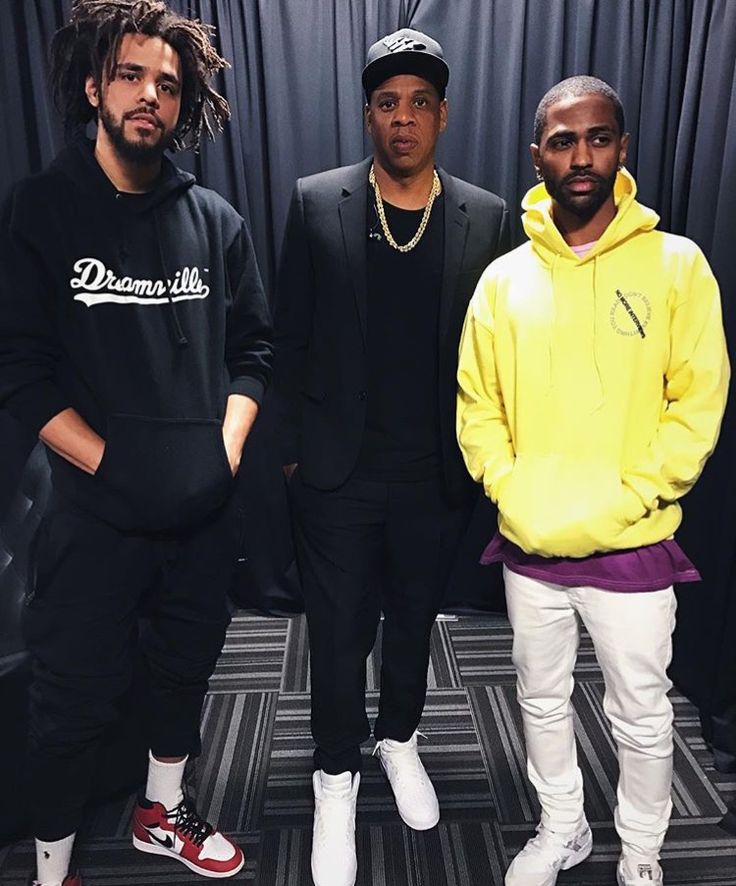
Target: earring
539,174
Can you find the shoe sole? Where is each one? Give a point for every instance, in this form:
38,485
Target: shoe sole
152,849
418,826
575,859
318,883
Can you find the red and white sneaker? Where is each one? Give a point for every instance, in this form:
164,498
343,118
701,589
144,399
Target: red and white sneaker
184,835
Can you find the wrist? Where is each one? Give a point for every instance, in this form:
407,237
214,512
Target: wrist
96,457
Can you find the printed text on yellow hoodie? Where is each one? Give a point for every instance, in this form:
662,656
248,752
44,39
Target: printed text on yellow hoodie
591,390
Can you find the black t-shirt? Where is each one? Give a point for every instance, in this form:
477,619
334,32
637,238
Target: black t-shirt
402,437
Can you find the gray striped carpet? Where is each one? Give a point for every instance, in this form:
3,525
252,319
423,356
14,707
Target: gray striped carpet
254,778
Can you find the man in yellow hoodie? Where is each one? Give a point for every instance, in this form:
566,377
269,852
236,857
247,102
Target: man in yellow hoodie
592,380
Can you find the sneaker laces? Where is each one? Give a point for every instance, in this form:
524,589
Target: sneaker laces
377,749
190,823
410,752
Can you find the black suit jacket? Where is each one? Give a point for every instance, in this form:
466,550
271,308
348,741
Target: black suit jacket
320,369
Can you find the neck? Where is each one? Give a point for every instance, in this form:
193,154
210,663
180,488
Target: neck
576,230
132,178
406,192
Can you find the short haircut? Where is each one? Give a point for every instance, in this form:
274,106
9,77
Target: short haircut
575,87
90,43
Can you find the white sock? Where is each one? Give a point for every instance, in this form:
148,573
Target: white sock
164,782
52,860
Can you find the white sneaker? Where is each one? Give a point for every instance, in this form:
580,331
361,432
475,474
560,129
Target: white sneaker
638,870
413,791
333,837
545,855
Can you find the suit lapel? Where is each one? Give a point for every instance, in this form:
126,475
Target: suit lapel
353,208
456,232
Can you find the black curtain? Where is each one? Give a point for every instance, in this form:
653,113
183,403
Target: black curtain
294,88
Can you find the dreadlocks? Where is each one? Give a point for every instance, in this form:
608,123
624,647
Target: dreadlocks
89,45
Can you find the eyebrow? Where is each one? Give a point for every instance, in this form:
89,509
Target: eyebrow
592,130
139,69
391,94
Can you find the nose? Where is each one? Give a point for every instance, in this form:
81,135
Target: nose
149,92
581,155
404,114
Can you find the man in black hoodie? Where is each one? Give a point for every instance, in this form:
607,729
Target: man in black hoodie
135,340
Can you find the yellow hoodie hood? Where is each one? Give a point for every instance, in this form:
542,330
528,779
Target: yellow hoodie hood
547,241
591,389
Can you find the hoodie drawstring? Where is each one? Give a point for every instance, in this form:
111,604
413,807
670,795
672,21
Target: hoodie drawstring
598,373
181,338
553,321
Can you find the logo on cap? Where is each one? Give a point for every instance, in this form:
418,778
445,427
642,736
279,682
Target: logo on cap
402,44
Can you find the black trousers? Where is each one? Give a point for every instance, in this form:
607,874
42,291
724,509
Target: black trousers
363,548
91,582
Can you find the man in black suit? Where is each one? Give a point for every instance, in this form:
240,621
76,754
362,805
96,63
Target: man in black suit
379,262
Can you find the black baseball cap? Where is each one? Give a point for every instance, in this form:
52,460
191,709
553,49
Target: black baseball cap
406,52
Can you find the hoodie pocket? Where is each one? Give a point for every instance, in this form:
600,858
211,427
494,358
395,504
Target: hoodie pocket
162,474
558,506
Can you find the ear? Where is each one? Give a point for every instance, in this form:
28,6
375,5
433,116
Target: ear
91,91
367,116
443,114
624,149
534,151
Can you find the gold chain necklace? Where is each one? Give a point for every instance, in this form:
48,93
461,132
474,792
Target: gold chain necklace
433,194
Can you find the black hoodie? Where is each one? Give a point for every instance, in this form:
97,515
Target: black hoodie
143,313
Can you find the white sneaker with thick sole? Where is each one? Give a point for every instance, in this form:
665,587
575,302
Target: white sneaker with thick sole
334,862
545,855
639,870
414,793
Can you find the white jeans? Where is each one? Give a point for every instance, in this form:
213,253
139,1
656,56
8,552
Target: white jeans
632,637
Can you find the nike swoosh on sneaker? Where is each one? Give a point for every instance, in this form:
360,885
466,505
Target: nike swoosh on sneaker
167,843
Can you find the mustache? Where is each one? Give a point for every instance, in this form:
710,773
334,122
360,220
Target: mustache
148,113
586,176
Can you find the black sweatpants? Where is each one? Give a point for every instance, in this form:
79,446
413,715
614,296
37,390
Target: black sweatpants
90,582
364,548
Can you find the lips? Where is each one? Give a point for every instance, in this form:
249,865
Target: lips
403,144
144,119
582,184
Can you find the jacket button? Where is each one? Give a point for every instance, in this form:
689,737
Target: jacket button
362,395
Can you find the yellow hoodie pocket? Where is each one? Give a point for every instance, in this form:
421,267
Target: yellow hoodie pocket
557,506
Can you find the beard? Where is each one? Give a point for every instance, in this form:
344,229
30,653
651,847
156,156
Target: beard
140,151
584,206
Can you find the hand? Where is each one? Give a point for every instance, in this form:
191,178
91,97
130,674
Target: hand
69,435
289,470
98,460
240,414
233,450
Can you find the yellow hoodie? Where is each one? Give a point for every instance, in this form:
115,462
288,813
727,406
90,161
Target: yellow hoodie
591,390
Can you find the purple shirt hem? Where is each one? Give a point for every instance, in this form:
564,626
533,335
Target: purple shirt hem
651,568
